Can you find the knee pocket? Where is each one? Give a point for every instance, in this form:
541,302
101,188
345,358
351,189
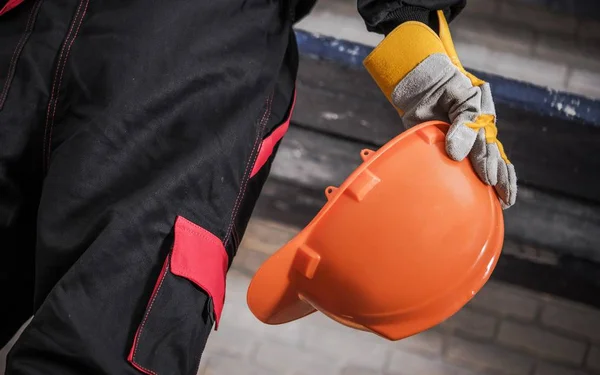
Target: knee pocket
186,302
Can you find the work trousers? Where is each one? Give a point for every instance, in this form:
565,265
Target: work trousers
135,138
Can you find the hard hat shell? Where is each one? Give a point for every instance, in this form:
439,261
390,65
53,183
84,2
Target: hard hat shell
400,246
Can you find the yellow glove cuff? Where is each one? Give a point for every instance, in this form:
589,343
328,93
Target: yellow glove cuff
407,46
400,52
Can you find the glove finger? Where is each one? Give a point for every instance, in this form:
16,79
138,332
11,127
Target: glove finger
480,159
459,141
487,102
506,188
492,162
512,184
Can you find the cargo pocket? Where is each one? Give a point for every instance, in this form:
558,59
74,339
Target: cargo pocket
187,300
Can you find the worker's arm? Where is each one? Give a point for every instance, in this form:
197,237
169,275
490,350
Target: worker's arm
383,16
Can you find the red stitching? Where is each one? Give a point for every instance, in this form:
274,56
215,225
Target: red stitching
207,237
263,123
17,52
139,335
53,97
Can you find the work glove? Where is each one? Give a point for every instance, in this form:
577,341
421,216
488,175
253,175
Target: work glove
420,74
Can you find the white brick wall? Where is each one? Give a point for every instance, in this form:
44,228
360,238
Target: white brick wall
485,356
426,343
573,319
473,323
507,302
541,342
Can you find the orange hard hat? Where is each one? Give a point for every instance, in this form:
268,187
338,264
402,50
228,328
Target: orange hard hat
400,246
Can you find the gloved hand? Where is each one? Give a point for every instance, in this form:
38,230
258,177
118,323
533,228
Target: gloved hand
419,72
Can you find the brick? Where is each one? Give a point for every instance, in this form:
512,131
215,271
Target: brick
216,365
541,342
585,82
354,347
484,357
538,18
593,358
494,36
529,69
295,360
472,323
572,318
404,363
427,342
568,50
553,369
506,300
355,370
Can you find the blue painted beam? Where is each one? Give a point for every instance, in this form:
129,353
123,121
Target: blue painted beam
544,101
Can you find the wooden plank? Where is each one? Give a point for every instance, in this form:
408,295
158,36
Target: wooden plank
314,161
551,137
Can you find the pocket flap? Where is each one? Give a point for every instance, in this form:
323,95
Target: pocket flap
200,257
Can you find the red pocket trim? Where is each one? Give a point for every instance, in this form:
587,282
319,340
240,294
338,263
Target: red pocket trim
268,144
10,5
200,257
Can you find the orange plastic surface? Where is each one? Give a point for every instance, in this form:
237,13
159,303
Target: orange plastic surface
400,246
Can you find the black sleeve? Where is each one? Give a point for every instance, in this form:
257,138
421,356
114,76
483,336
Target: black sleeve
383,16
